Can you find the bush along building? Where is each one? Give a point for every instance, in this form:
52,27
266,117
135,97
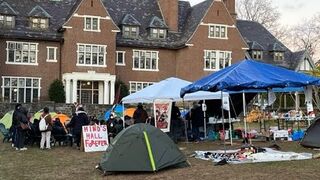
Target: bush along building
89,44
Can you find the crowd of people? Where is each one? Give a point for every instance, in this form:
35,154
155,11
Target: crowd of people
46,130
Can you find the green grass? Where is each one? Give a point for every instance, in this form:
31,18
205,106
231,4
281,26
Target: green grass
68,163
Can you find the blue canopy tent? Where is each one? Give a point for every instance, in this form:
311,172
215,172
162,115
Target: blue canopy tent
250,75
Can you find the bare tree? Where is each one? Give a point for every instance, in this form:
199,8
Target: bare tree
261,11
306,36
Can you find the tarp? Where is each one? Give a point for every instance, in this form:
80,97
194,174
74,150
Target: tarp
168,89
141,147
6,120
250,74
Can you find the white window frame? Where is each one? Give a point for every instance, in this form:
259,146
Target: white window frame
217,59
136,83
215,36
155,33
55,54
91,26
21,54
39,23
257,54
5,19
84,60
278,56
145,62
130,31
123,56
18,86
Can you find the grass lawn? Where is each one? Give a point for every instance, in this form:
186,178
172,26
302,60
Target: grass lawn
68,163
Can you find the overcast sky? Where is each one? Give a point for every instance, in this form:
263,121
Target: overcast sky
292,11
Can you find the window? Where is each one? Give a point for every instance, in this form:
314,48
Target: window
91,24
216,60
52,54
39,23
256,54
158,33
91,55
218,31
120,58
88,92
22,53
145,60
130,31
7,21
20,89
278,56
137,86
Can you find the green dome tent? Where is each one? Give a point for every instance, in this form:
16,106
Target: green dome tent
6,120
141,147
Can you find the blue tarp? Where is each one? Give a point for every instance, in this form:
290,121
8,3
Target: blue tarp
117,109
250,74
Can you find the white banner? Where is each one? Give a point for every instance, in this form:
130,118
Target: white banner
226,105
162,114
95,138
271,97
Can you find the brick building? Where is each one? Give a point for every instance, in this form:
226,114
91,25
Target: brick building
88,44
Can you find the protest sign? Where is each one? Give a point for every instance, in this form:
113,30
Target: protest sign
95,138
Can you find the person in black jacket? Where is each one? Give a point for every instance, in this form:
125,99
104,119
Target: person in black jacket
79,119
15,123
20,116
140,115
197,117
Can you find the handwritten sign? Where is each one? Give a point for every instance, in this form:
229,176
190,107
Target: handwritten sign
95,138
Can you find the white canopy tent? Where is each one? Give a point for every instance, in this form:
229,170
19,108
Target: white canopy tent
170,89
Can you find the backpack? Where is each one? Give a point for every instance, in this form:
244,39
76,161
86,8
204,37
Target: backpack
42,124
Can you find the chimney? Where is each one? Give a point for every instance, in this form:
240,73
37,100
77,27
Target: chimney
169,9
231,6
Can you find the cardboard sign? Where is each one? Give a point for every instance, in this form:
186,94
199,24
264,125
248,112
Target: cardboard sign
95,138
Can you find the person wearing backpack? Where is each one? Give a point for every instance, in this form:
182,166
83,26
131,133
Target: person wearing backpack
45,130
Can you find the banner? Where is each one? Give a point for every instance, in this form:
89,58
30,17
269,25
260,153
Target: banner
95,138
225,105
162,114
271,98
308,99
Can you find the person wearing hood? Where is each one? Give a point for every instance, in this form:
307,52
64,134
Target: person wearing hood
20,117
79,119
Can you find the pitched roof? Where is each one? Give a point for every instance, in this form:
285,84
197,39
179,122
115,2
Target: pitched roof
5,8
157,23
38,11
254,32
58,11
128,19
145,13
254,46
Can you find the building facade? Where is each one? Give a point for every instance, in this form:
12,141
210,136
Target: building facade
89,44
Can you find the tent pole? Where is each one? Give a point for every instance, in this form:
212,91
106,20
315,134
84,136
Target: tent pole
204,108
244,114
223,129
185,124
230,125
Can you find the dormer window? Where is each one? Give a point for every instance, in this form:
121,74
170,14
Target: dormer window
255,54
278,56
158,33
7,21
130,31
39,23
91,24
218,31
